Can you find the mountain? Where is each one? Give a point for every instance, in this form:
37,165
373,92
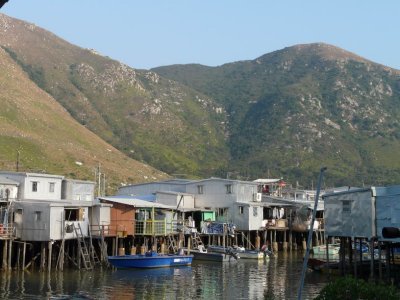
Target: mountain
149,118
49,140
286,113
297,109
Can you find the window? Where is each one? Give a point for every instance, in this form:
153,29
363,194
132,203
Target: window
241,210
346,207
38,216
74,214
200,189
51,187
255,211
228,188
34,186
221,212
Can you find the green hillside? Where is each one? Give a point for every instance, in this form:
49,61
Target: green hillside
284,114
49,140
294,110
149,118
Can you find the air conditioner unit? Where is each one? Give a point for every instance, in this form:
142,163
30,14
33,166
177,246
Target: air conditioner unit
257,197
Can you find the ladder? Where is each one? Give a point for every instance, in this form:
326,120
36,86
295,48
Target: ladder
172,244
103,245
60,258
92,251
196,241
83,249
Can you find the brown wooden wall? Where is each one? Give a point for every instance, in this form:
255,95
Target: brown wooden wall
122,219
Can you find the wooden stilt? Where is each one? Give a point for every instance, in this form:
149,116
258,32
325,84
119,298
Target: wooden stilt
258,242
284,244
10,244
380,261
77,253
23,256
5,247
371,248
50,249
18,257
355,258
42,256
62,256
275,243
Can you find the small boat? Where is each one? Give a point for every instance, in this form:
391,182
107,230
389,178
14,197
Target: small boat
320,251
213,256
242,252
219,256
252,254
150,260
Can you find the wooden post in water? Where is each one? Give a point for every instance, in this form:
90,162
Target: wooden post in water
18,256
275,243
10,244
50,245
23,256
5,247
380,261
355,257
371,248
42,256
258,242
284,244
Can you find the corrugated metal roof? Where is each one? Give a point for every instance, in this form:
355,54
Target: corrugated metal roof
136,201
266,180
5,180
27,174
223,179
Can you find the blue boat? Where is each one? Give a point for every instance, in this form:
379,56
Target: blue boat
150,260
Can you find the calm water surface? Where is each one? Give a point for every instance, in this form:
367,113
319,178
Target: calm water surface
276,278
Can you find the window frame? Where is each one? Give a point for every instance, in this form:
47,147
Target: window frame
35,185
52,187
200,189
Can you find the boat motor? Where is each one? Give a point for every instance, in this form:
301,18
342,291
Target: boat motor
390,232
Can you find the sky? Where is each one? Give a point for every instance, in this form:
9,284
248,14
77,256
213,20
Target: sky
151,33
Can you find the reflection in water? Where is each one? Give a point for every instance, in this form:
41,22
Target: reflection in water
277,278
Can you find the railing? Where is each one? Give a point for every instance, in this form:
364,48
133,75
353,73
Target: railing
155,227
147,227
6,231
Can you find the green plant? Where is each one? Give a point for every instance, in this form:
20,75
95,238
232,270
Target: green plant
351,288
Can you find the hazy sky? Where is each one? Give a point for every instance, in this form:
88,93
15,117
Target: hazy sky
151,33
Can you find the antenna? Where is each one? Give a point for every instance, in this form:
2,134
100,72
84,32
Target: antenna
17,163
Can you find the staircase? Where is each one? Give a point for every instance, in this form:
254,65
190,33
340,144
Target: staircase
92,251
83,249
172,245
197,243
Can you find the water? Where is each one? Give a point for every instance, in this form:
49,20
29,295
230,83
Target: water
277,278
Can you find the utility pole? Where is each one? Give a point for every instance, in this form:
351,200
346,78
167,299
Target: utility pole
310,233
17,163
98,181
